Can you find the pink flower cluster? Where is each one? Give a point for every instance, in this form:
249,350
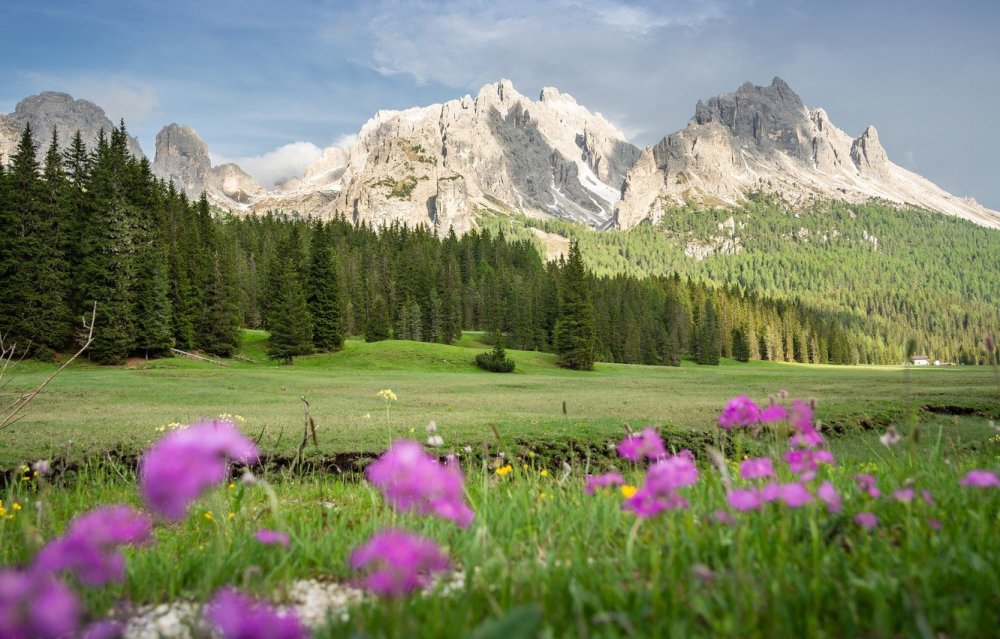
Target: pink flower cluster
184,464
602,481
398,562
412,480
658,492
34,605
89,548
645,445
237,616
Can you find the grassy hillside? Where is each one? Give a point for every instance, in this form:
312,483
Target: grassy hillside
890,272
91,409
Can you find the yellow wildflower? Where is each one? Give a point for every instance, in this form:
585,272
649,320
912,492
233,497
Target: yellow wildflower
628,490
545,472
387,395
504,470
15,506
231,485
207,516
232,515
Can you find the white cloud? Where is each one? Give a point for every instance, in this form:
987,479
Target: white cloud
121,96
278,165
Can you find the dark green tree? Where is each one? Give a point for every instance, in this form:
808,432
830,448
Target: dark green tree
325,298
377,324
741,345
709,342
288,320
574,330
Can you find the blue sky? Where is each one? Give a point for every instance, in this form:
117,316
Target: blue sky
269,83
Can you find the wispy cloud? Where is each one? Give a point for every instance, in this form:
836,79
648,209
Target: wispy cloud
275,166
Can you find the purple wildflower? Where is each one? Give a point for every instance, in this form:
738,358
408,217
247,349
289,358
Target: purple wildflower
904,495
773,413
601,481
740,412
659,489
801,462
771,491
398,562
672,472
34,605
238,616
646,444
89,548
806,435
866,520
758,468
934,524
867,484
647,502
927,497
794,495
981,479
722,517
185,463
411,480
744,499
271,537
829,495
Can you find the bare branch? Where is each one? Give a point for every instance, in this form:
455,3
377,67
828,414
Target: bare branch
10,415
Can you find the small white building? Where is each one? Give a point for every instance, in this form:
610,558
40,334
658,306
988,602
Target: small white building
921,360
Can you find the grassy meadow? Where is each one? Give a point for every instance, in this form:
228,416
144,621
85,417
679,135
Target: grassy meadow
90,410
541,558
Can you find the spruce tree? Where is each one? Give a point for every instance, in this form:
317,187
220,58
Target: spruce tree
709,342
325,296
377,324
574,330
288,322
741,346
221,324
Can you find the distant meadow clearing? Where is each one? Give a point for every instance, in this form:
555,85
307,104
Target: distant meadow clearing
872,511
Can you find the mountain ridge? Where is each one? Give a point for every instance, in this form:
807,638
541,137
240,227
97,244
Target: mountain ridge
549,158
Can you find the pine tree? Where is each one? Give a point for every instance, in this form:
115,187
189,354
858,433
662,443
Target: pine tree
153,313
574,330
288,322
709,343
221,321
377,324
325,297
741,346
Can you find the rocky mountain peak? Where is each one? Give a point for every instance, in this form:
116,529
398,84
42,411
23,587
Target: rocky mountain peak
763,138
182,157
60,111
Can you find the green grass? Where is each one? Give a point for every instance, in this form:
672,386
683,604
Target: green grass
590,568
89,410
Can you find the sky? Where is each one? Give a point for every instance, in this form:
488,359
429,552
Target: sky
269,84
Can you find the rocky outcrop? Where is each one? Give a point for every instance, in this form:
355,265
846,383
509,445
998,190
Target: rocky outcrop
437,165
182,157
51,110
765,139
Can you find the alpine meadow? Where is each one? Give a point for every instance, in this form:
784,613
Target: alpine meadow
497,366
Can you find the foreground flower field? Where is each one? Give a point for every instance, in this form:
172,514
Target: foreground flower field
766,533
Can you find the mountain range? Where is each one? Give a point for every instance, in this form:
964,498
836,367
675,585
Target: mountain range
549,158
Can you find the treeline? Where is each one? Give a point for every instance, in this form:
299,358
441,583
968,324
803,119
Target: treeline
889,274
96,226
